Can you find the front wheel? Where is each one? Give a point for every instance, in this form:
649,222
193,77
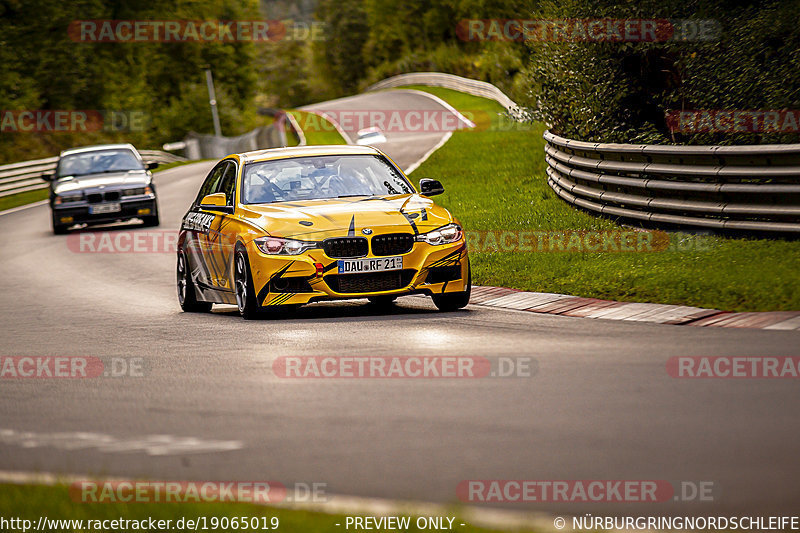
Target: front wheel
454,300
58,229
187,297
246,299
151,221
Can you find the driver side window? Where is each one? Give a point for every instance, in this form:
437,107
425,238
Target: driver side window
228,183
212,182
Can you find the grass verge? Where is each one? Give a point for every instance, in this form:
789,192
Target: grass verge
167,166
30,502
318,130
23,198
495,180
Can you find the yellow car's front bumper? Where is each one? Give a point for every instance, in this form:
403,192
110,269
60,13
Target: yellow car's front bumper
313,276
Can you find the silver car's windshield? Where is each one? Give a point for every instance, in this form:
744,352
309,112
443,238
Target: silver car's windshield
315,177
97,162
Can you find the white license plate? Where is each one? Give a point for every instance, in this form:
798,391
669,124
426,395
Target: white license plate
111,207
378,264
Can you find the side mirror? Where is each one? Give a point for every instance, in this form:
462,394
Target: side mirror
49,176
151,165
216,202
430,187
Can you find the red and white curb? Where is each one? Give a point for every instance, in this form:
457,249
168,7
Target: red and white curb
565,305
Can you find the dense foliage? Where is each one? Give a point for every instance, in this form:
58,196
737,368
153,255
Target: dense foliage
623,92
369,40
604,91
44,69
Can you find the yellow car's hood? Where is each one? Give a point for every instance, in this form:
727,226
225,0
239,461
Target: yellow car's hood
339,217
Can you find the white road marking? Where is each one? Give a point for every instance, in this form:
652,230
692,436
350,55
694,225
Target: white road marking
23,207
321,113
427,154
156,445
442,103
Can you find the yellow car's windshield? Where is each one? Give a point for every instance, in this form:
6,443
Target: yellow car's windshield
316,177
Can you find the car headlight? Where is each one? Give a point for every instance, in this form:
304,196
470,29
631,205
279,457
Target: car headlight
444,235
66,199
138,191
280,246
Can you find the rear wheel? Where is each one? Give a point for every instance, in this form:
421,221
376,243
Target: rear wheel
187,297
246,299
454,300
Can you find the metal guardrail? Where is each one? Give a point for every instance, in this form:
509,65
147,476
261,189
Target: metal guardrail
748,188
450,81
204,146
27,175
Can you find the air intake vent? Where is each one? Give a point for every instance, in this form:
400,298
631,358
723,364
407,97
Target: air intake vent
345,247
393,244
372,282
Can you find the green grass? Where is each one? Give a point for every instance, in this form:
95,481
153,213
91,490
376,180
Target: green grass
317,129
495,180
54,502
23,198
167,166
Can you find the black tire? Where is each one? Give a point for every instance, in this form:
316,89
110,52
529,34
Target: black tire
454,300
149,222
58,229
152,220
187,297
246,299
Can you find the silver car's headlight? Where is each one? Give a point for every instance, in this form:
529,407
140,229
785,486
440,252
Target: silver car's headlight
138,191
280,246
68,199
444,235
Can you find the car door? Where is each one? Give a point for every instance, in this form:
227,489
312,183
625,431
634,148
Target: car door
201,226
223,238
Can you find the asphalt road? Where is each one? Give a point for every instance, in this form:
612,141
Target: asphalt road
408,136
599,406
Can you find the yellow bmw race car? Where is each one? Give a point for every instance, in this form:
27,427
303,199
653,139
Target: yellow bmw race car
283,227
